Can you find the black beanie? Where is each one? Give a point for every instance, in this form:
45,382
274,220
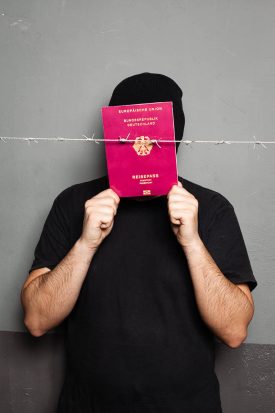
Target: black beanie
148,88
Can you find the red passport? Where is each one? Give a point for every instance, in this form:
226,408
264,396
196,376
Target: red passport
140,148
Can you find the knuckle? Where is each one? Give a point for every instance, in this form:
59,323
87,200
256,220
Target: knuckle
114,203
111,210
114,194
89,207
110,192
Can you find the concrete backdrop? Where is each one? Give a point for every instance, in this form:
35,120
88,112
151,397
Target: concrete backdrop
60,61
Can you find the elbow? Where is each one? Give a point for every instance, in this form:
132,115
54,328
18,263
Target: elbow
237,335
235,340
33,328
31,321
37,333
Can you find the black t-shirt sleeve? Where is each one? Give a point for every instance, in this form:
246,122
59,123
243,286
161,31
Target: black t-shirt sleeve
226,245
54,242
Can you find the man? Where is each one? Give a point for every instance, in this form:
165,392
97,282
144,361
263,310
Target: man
144,286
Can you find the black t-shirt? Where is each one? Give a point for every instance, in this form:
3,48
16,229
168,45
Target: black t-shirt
135,341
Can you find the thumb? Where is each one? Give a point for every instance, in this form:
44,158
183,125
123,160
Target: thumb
179,184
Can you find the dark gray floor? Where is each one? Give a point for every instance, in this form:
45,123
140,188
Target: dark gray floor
247,378
31,375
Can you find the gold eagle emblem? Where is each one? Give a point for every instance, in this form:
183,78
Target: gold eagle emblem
143,145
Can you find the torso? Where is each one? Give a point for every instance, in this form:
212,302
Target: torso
135,333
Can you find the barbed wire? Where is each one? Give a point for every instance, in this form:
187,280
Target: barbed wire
120,139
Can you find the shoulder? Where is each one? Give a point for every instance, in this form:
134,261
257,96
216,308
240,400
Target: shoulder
203,194
213,206
206,197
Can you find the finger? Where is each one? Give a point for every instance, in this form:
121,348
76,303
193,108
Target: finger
184,207
101,202
175,221
176,197
106,225
108,192
178,189
102,209
103,220
181,213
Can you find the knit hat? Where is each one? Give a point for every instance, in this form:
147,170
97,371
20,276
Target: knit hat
148,88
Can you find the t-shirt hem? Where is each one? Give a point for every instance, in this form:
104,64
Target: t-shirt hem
249,280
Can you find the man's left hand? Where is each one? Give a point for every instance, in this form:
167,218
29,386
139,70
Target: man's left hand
183,212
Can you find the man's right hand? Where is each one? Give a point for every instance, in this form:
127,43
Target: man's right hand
99,218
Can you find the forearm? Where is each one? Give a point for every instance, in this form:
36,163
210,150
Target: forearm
50,297
223,306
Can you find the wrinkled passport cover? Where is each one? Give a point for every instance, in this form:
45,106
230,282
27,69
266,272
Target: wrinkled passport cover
140,167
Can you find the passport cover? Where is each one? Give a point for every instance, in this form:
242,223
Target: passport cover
140,167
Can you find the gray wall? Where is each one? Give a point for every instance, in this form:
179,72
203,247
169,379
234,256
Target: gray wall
60,61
